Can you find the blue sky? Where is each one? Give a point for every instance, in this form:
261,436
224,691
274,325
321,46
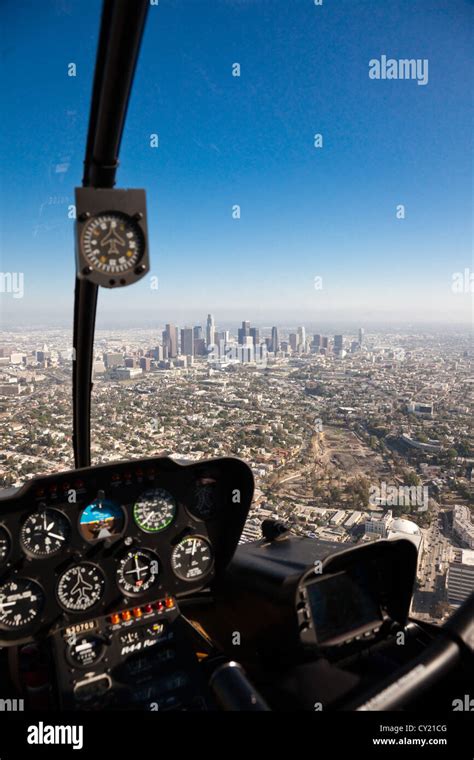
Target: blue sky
248,140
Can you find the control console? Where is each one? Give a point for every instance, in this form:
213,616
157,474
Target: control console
143,657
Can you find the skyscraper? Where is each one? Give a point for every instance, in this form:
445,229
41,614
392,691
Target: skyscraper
275,342
210,330
200,347
197,332
338,343
243,333
302,337
361,335
293,341
255,335
170,340
187,341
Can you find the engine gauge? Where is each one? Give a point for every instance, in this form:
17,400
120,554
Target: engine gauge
85,651
137,572
81,587
21,603
5,545
112,243
44,533
192,558
154,510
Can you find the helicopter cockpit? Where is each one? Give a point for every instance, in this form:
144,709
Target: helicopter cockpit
124,585
127,582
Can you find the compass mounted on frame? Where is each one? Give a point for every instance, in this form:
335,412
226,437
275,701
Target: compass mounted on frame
111,236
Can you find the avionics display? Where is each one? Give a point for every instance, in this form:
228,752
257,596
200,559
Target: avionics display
340,606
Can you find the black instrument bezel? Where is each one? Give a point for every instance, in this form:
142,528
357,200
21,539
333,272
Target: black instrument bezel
122,482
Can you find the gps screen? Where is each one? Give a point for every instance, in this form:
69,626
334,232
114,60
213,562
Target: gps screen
340,605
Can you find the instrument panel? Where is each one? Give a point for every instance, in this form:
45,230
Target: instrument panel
91,541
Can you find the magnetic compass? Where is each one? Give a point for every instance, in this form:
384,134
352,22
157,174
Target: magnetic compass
111,236
112,243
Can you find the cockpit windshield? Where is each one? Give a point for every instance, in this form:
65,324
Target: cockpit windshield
309,301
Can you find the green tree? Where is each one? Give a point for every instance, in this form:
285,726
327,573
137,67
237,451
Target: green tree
411,478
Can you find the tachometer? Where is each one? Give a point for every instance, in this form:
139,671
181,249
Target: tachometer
137,572
44,533
81,587
154,510
192,558
21,602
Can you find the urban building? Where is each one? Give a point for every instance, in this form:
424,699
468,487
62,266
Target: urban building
113,360
460,576
170,341
187,341
243,333
378,524
275,341
210,330
463,526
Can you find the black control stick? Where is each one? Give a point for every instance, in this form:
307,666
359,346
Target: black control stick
233,690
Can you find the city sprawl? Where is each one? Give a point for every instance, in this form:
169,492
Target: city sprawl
351,437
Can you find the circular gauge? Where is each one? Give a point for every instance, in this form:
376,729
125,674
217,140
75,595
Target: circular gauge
154,510
101,520
80,587
85,651
21,602
5,545
204,498
112,242
137,572
44,533
192,558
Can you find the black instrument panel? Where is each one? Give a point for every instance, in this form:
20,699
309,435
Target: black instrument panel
93,541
